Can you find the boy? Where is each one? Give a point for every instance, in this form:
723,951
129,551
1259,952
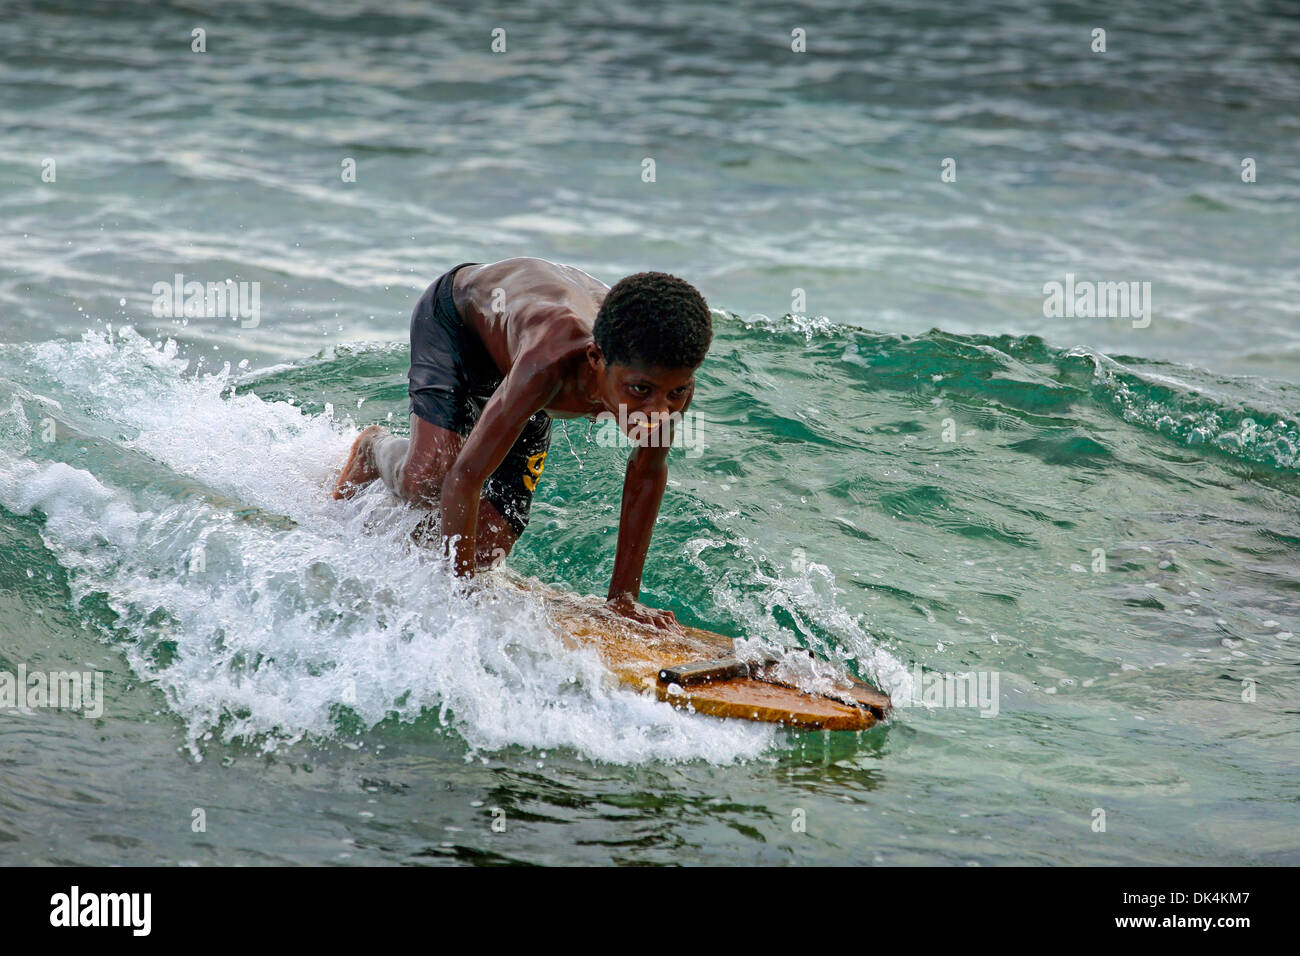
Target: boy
499,350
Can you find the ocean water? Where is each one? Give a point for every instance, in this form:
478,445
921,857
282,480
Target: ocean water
916,472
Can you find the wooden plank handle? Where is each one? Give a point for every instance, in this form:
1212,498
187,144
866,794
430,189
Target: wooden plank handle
705,672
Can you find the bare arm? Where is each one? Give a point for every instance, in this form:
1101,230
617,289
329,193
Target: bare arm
527,388
643,492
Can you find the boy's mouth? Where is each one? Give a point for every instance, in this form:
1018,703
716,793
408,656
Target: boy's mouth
645,428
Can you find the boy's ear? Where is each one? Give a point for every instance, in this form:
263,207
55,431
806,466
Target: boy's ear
594,358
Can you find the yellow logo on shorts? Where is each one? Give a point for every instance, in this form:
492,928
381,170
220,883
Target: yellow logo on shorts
535,465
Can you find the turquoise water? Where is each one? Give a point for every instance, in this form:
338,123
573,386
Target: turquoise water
922,475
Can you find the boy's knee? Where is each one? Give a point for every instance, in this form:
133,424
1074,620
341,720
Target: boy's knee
421,485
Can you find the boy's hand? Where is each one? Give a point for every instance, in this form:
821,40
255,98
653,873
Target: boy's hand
655,617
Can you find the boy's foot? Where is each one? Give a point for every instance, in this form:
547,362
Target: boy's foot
359,470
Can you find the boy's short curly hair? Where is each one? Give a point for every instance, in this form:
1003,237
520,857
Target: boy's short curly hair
653,319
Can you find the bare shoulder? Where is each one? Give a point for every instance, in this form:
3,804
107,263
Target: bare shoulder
529,308
527,279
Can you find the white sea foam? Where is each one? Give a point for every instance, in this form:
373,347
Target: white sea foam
807,596
267,633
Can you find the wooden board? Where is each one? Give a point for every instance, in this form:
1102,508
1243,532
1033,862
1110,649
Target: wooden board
636,654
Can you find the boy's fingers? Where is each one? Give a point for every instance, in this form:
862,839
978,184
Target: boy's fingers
668,621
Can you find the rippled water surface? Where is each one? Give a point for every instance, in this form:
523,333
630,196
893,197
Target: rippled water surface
921,475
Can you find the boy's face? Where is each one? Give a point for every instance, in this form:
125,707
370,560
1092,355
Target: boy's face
643,397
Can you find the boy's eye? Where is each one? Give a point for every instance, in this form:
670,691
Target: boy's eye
639,389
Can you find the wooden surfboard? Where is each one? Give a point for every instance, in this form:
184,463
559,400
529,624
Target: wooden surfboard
698,672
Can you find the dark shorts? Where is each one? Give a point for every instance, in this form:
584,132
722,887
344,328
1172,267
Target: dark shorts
452,376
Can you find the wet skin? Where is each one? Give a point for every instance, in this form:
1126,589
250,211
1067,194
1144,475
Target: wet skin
535,318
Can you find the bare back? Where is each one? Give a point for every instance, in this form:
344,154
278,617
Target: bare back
529,305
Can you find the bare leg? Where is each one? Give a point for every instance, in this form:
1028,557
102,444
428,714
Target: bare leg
379,454
413,470
388,452
495,537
